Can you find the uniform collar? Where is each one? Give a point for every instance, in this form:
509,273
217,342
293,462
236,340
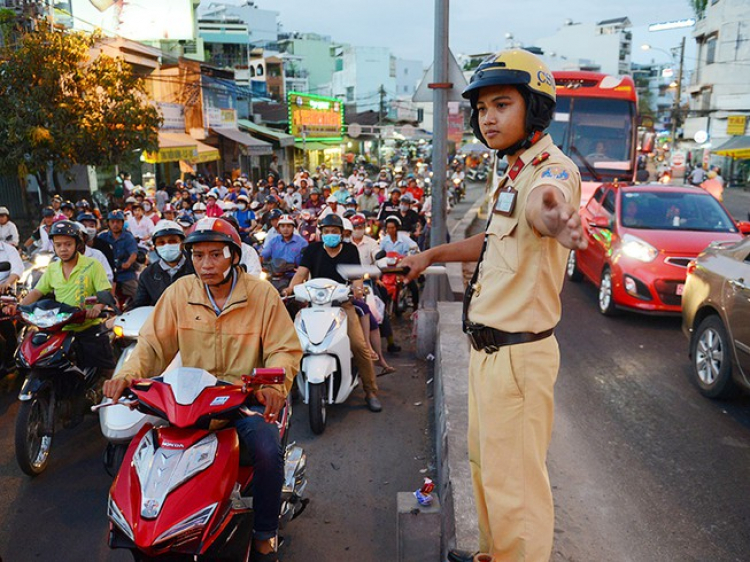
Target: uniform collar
527,157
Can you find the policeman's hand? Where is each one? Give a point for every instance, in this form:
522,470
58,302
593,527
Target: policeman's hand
273,400
562,219
416,263
114,388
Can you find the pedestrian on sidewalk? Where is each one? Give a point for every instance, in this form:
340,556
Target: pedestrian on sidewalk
512,305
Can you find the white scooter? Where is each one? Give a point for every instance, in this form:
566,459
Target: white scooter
119,423
327,375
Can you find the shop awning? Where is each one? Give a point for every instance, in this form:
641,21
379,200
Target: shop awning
737,147
312,145
174,147
254,147
266,132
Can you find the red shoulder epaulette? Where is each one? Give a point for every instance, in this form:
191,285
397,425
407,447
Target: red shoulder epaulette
539,159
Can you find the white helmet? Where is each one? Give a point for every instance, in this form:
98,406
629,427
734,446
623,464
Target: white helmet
199,206
165,228
348,225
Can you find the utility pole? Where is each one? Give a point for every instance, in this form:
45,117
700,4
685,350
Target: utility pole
678,95
428,315
381,115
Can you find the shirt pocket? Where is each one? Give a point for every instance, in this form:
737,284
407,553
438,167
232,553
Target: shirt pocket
502,244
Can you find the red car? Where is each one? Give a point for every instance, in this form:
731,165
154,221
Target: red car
641,239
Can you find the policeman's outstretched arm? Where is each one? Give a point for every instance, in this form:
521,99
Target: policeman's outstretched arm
467,250
551,215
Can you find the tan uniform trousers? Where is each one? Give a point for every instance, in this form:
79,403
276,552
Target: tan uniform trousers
511,408
360,349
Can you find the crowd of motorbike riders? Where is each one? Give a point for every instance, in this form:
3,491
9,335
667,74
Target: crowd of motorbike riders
140,242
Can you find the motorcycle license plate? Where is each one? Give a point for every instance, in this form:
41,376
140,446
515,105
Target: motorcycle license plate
680,289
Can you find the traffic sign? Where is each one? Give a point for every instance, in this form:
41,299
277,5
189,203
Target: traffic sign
354,130
678,159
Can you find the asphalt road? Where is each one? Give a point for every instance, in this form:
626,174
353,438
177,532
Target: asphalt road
642,466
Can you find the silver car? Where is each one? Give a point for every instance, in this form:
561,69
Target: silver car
716,318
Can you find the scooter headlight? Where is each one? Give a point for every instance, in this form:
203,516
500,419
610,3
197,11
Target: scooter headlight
195,522
119,519
143,457
46,318
320,295
42,260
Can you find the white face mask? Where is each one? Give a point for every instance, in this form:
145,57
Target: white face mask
169,252
147,208
199,216
241,206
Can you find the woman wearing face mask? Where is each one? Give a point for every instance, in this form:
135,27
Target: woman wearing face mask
149,209
245,217
171,265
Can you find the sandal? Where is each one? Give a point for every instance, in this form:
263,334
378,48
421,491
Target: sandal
386,371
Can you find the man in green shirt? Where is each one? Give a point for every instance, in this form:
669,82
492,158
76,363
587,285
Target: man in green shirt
72,279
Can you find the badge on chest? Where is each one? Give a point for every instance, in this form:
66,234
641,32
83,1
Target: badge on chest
506,201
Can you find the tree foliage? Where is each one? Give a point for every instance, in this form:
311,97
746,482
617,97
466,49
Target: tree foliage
59,105
699,7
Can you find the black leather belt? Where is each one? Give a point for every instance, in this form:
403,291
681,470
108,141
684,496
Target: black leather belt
489,340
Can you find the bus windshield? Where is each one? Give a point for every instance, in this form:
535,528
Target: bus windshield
597,134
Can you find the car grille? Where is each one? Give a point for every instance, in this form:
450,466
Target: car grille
678,261
667,291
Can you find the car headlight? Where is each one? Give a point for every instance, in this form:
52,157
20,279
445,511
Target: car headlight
638,249
119,519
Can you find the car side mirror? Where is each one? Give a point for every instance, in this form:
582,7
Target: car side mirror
600,222
744,227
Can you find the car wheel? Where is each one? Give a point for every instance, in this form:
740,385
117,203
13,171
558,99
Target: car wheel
572,271
606,294
712,361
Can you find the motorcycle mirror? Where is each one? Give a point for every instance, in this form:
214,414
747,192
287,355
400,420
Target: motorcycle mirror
4,266
91,300
381,254
7,299
265,376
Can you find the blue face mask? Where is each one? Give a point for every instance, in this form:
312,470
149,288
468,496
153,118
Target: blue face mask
169,252
331,240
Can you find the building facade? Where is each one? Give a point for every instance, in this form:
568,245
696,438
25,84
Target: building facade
720,86
605,46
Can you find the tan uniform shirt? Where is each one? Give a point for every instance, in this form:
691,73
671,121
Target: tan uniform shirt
253,330
521,276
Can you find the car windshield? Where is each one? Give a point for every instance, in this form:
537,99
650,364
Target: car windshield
596,134
661,210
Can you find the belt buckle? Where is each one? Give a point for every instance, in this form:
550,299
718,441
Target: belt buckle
490,349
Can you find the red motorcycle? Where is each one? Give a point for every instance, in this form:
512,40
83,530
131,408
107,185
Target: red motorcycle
183,491
393,279
55,392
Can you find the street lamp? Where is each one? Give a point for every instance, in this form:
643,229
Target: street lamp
678,93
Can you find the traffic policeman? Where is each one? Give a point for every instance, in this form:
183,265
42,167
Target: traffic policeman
512,305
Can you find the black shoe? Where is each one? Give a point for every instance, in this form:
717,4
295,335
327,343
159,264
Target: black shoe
461,556
393,348
374,404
